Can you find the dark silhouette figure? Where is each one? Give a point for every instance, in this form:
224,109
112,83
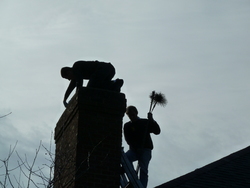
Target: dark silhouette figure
99,74
137,135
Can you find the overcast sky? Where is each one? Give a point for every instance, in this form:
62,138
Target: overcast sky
195,52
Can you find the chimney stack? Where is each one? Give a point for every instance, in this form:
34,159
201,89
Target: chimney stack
88,140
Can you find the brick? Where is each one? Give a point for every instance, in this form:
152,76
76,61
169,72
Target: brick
88,140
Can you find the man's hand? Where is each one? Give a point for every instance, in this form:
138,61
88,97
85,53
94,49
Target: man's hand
150,116
65,104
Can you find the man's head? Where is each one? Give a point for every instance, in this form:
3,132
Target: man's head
67,73
132,113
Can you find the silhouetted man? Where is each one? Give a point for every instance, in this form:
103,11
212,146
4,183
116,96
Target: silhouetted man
137,135
98,73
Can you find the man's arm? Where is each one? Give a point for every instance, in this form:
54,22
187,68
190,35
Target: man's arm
77,67
153,125
127,135
70,88
79,83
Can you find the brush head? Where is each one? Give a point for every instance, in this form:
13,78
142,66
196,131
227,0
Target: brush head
160,99
152,95
157,98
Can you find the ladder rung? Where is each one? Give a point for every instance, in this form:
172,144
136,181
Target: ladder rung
130,172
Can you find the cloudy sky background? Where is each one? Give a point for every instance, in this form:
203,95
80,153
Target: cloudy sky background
195,52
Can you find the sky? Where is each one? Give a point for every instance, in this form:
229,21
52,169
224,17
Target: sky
194,52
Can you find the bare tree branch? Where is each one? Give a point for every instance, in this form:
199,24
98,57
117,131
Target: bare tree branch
5,115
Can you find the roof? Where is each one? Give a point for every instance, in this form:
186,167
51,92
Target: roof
230,171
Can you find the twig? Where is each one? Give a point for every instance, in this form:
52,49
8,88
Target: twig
5,115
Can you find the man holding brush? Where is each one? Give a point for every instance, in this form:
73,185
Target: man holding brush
137,135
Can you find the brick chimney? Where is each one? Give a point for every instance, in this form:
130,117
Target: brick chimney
88,140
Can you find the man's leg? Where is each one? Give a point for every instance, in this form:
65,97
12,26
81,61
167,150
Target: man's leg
144,160
131,155
102,77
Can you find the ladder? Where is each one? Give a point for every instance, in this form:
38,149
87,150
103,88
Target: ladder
128,178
